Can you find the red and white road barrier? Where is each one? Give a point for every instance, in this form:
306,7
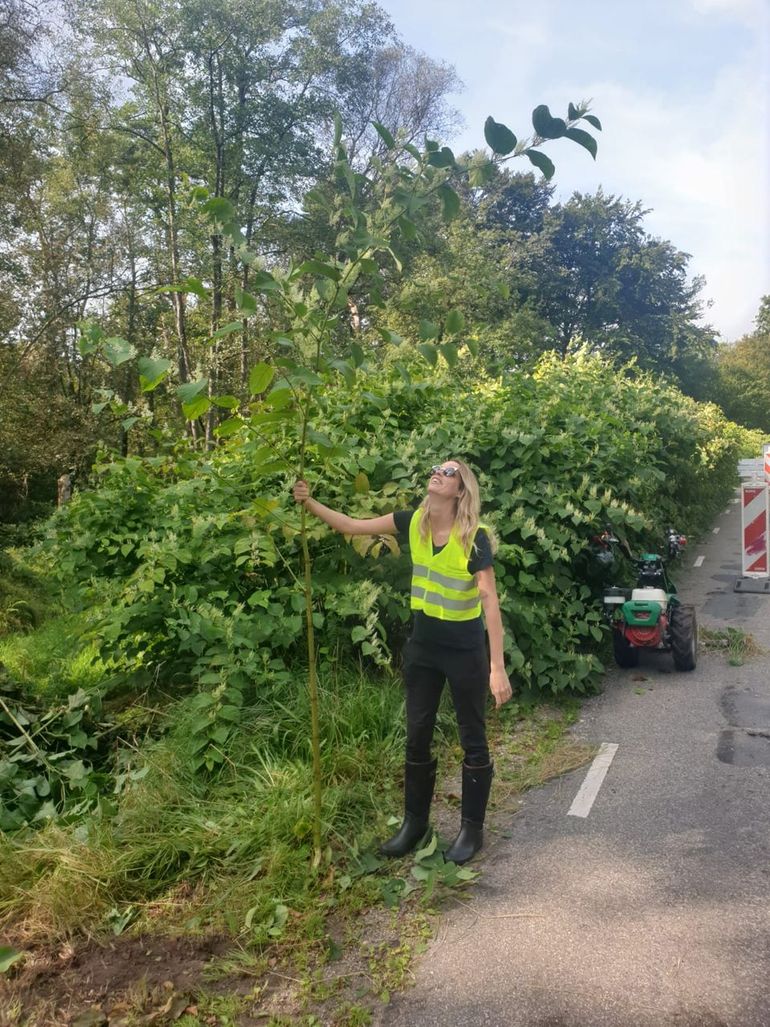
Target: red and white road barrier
755,530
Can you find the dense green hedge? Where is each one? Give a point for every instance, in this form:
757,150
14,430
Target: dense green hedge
199,553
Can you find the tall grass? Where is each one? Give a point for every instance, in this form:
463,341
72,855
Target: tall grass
217,853
22,595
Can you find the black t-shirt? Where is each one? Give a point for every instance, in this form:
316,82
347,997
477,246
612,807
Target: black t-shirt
465,634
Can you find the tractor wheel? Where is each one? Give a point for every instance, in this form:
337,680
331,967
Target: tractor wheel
684,637
626,655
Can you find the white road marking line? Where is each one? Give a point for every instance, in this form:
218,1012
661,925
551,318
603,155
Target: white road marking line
584,799
727,511
716,531
737,499
699,561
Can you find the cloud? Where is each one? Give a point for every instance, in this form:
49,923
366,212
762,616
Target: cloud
750,11
701,165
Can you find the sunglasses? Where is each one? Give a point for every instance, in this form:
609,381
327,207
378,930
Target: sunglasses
448,472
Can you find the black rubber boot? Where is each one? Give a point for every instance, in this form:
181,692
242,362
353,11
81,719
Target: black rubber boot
419,780
477,782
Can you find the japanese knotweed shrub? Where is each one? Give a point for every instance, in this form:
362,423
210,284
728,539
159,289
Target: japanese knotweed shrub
200,552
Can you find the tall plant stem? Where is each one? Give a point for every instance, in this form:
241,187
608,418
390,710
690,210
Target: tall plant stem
312,675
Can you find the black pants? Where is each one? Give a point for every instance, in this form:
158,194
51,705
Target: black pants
426,668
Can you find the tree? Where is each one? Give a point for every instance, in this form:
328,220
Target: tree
598,278
762,320
744,375
401,89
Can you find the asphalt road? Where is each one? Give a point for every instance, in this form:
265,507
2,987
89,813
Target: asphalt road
653,910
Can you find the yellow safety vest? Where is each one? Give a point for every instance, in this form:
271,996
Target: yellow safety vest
442,586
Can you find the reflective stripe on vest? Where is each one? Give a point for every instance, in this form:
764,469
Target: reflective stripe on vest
442,586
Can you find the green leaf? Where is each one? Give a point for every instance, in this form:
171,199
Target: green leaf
260,376
91,337
190,390
263,281
75,770
449,352
428,330
152,372
412,149
317,196
450,202
245,301
577,135
196,286
317,267
128,422
228,329
429,352
346,370
572,112
396,260
384,134
226,402
543,163
8,957
196,407
228,427
219,208
593,120
473,346
357,353
547,126
480,172
337,129
279,397
305,376
117,351
499,137
388,336
428,850
455,322
361,483
443,158
325,289
420,873
320,439
408,228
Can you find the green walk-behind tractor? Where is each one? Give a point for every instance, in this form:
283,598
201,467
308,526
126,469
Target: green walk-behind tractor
650,615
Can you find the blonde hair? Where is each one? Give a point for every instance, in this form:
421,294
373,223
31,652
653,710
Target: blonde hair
467,513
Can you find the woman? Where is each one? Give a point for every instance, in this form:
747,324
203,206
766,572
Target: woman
452,581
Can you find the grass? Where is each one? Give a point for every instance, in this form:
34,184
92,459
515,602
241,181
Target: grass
41,645
738,646
23,598
53,660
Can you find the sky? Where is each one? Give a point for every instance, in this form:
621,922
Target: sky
681,88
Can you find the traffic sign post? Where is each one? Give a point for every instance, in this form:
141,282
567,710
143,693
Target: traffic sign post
755,525
754,530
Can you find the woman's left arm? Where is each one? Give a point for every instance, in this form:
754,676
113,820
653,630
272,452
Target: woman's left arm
499,684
